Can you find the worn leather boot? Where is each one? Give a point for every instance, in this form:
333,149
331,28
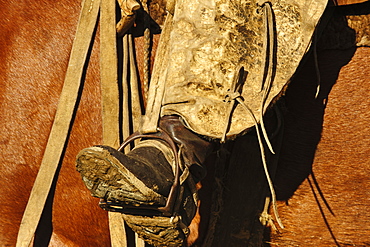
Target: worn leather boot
140,182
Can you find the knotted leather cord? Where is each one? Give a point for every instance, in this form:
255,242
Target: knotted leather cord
265,217
234,96
146,47
263,158
128,15
230,98
270,39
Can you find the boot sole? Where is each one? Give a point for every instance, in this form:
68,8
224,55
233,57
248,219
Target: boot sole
108,179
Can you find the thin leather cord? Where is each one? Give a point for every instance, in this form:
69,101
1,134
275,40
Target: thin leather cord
263,158
317,69
268,46
125,91
270,37
234,96
146,50
266,218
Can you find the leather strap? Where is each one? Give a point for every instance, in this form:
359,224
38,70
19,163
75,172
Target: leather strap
156,90
131,105
108,73
62,123
110,101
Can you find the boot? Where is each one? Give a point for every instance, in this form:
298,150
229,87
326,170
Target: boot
141,182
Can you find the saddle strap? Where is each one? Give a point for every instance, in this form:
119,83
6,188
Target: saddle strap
110,100
62,123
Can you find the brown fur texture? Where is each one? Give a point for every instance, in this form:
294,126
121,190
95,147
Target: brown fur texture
328,140
338,216
35,43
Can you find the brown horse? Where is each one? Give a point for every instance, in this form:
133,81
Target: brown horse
35,44
328,136
330,206
37,37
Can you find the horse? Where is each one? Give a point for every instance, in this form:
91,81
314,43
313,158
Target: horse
324,209
329,206
35,45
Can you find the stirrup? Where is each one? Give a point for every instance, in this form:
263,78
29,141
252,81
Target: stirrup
169,209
